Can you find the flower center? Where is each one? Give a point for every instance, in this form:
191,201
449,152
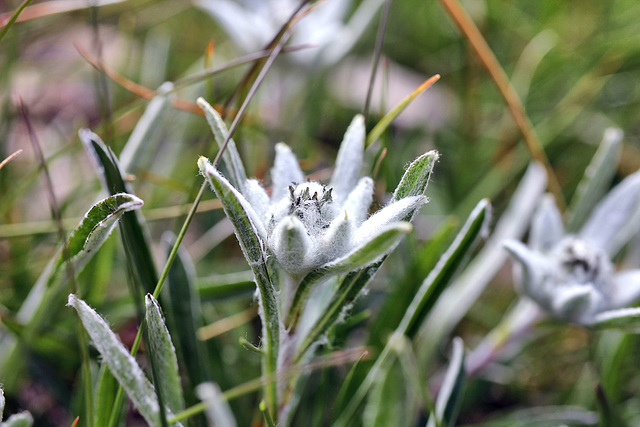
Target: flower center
582,262
312,203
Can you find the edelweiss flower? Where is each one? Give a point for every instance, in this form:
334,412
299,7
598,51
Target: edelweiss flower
572,276
307,225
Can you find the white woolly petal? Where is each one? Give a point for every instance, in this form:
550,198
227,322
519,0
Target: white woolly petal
338,238
577,304
286,170
397,211
533,270
291,244
546,226
349,160
359,200
626,289
615,219
257,197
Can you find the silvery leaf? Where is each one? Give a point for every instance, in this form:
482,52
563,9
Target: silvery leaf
219,413
451,393
164,354
22,419
534,268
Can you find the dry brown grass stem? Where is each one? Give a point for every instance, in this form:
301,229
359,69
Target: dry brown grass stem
490,62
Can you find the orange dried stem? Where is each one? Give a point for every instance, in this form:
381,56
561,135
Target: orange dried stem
469,29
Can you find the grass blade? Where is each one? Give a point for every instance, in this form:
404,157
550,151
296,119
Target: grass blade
132,229
450,397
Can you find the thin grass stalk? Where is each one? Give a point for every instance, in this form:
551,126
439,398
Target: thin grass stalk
7,26
384,17
481,48
57,217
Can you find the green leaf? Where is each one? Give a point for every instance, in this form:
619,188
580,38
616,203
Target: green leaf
226,285
106,390
450,397
164,354
360,257
416,178
596,180
390,402
238,211
349,289
609,415
120,362
435,283
627,319
231,157
132,230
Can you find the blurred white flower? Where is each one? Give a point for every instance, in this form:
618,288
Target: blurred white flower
571,276
251,24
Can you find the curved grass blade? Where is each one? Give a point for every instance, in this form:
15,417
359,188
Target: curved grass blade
146,129
123,366
104,396
164,354
450,397
384,123
132,228
440,276
596,180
